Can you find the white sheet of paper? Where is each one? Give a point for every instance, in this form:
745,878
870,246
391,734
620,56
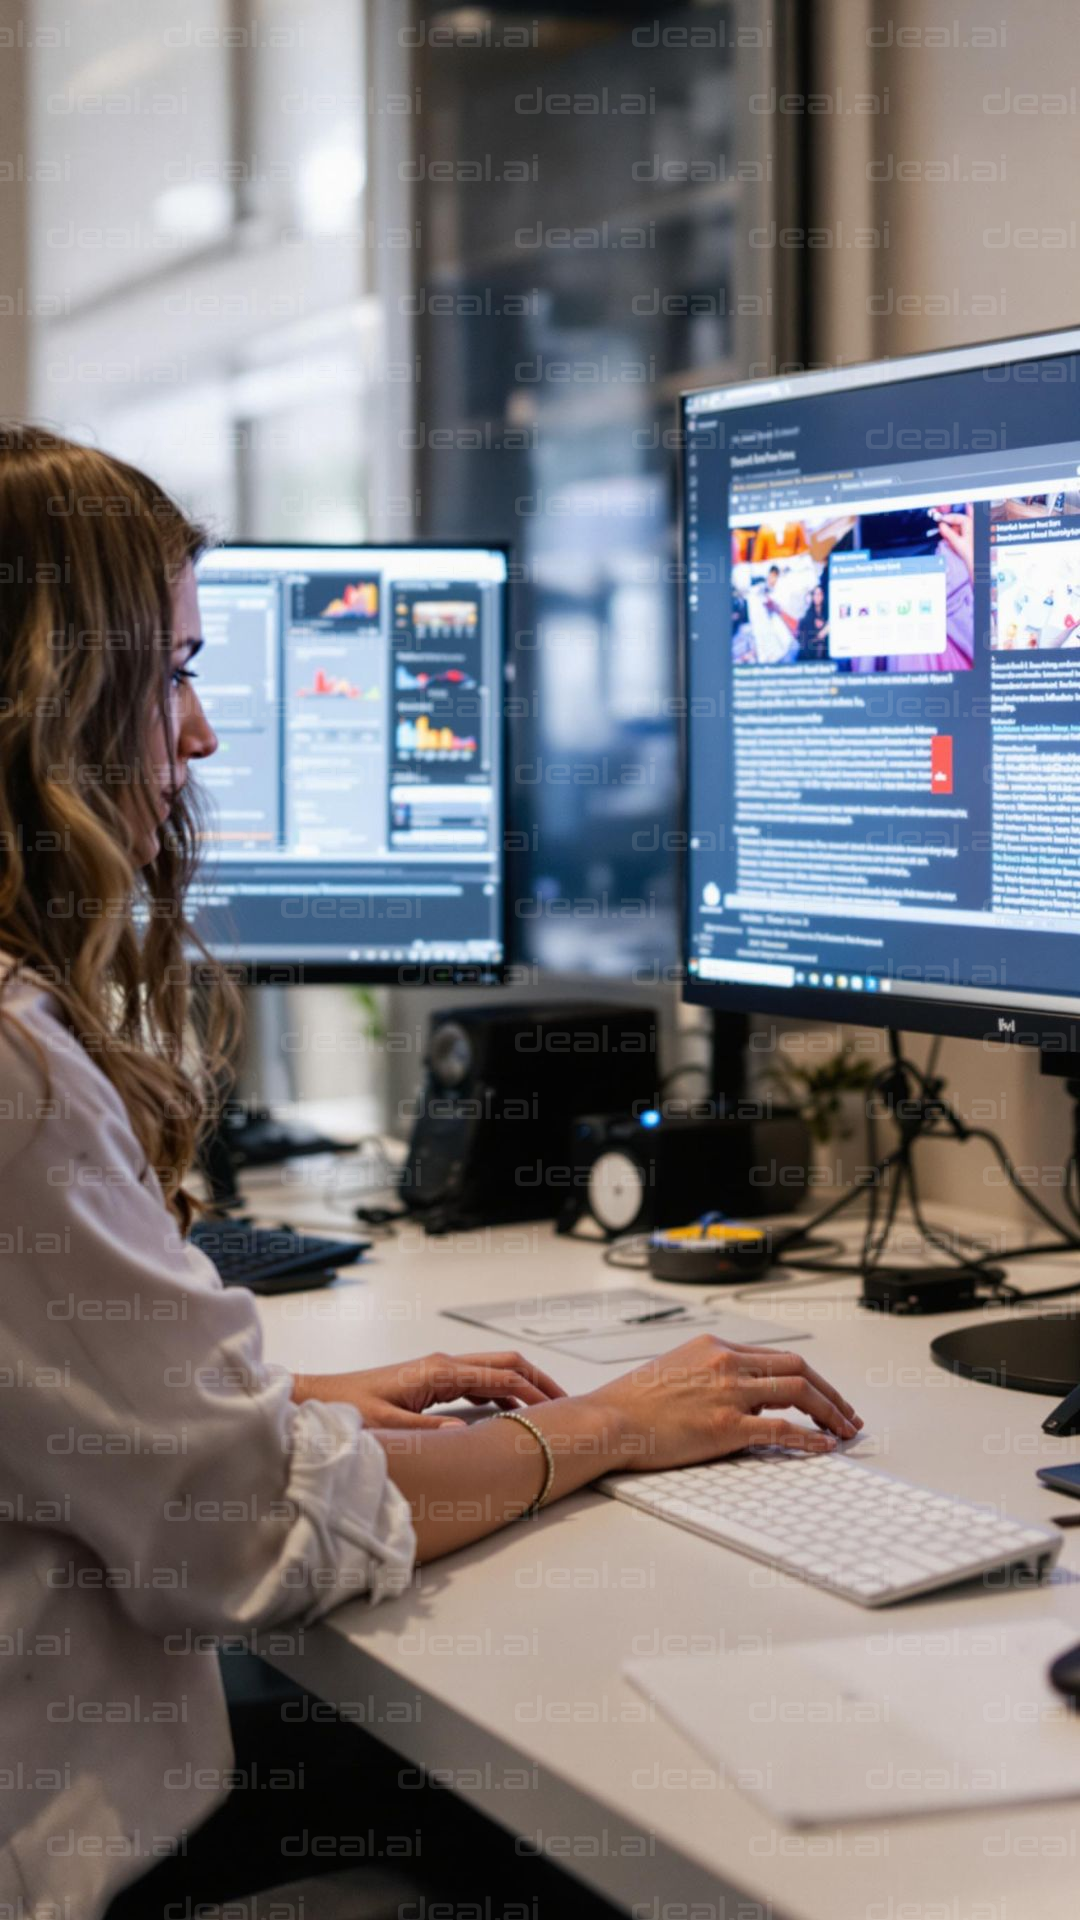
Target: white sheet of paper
897,1720
606,1326
642,1343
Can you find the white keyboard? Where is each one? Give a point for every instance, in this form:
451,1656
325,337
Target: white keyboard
837,1524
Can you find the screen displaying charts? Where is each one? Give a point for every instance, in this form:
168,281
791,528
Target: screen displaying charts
439,695
355,800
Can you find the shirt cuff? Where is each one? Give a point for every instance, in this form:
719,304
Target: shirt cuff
339,1472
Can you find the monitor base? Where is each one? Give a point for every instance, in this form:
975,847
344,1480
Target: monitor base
1040,1355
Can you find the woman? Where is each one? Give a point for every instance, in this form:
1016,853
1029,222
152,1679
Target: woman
163,1484
814,628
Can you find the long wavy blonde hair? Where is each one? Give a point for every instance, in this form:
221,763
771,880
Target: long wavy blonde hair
90,550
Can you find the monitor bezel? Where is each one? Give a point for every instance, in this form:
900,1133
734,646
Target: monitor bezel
440,973
1054,1032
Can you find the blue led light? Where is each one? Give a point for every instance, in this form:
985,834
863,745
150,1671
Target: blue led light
651,1119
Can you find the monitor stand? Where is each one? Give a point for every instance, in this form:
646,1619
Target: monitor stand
961,1276
946,1271
727,1066
217,1164
246,1133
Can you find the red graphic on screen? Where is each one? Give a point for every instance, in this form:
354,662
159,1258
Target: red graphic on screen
941,776
333,686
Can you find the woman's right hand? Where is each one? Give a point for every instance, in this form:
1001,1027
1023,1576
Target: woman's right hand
698,1403
707,1399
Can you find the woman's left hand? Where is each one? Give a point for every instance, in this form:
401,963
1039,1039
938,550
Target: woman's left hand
397,1396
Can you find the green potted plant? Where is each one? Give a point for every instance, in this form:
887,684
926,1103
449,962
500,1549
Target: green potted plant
830,1095
374,1025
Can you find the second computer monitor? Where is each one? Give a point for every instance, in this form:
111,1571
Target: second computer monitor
882,648
355,803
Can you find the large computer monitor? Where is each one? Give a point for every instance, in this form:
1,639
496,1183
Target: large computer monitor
882,683
356,800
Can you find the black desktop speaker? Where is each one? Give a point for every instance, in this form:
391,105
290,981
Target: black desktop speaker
492,1140
633,1173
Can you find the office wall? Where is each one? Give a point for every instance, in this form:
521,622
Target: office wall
975,171
944,149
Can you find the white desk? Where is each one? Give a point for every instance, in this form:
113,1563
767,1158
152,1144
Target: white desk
500,1671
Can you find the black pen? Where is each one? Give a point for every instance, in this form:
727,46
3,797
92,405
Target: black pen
661,1313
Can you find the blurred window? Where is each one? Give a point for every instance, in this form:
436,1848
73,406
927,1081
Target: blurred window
198,187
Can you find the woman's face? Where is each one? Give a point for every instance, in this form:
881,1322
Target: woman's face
193,738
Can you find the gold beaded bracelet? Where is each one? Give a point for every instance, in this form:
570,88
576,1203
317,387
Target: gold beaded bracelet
545,1444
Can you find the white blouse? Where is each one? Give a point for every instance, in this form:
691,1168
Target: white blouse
159,1490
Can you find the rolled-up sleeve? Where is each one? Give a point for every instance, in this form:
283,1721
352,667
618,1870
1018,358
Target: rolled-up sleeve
173,1456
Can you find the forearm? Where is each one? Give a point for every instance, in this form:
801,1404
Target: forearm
464,1485
319,1386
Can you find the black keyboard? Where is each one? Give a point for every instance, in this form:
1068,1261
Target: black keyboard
272,1259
